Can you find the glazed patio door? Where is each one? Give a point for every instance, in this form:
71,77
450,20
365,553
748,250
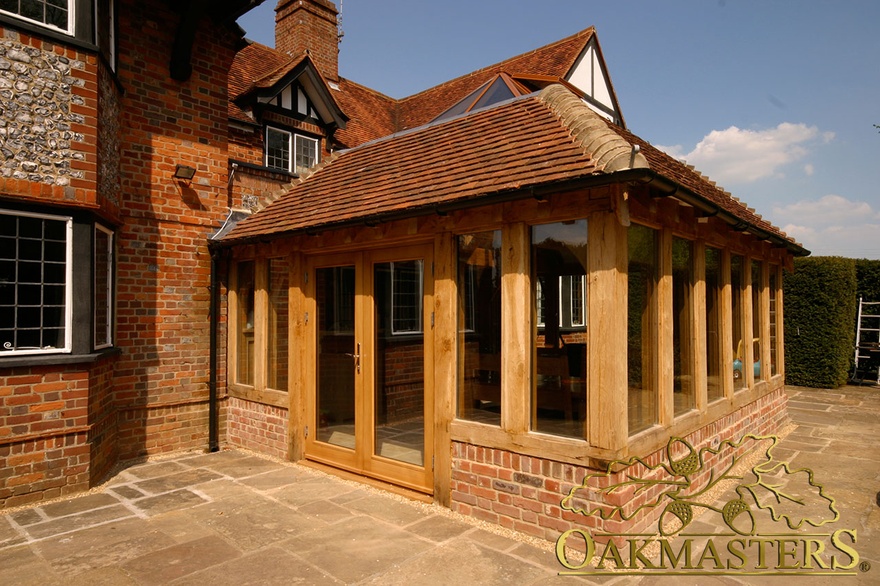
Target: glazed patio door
370,407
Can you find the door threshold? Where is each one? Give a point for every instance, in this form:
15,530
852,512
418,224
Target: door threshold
375,483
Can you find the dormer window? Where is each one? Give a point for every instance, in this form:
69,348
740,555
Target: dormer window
289,151
56,14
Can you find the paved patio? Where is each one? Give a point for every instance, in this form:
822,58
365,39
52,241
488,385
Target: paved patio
236,518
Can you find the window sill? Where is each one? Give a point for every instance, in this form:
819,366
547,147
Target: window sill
58,359
271,397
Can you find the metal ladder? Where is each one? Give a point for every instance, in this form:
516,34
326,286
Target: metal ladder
867,354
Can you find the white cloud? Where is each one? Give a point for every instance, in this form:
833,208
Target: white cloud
737,156
833,226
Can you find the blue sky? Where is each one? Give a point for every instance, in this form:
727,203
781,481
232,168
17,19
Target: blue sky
774,100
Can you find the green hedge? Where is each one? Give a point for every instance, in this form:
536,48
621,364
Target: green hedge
820,312
868,279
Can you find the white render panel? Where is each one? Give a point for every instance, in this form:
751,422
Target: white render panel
286,98
589,76
601,91
302,103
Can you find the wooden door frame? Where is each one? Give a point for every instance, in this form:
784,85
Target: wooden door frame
364,461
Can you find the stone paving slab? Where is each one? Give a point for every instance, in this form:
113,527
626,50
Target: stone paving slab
233,517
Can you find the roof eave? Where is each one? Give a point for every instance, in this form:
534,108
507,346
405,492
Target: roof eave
671,188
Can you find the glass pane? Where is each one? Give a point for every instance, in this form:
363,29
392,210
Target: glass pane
479,327
737,265
757,316
773,322
559,258
32,9
245,296
682,326
278,320
306,152
399,363
406,292
103,305
714,354
641,346
336,356
278,149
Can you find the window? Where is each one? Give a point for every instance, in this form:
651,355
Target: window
559,265
737,284
259,319
103,288
57,14
571,308
279,313
774,323
757,317
682,326
714,348
291,152
55,271
245,289
35,291
642,400
479,326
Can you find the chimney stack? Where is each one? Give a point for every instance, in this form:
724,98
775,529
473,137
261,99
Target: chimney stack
311,25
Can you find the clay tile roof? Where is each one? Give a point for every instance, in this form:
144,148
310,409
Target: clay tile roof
554,60
254,64
513,146
371,115
689,178
528,142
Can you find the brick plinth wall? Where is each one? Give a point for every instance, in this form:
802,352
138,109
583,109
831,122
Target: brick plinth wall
258,427
44,451
525,493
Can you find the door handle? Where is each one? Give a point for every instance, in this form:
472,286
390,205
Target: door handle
357,358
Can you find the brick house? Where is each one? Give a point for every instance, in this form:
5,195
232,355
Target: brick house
485,291
477,293
104,264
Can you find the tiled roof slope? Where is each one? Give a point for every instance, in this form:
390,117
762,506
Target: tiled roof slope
252,66
511,146
553,60
532,141
373,115
688,177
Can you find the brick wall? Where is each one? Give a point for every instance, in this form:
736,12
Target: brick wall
256,426
44,418
163,270
525,493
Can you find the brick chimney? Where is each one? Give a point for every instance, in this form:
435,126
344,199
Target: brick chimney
311,25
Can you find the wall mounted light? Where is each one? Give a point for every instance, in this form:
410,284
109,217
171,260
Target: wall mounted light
184,172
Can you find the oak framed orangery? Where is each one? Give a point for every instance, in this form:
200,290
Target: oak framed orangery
552,295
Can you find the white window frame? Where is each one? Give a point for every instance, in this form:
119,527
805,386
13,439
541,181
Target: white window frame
294,141
579,286
108,333
68,288
71,18
565,318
